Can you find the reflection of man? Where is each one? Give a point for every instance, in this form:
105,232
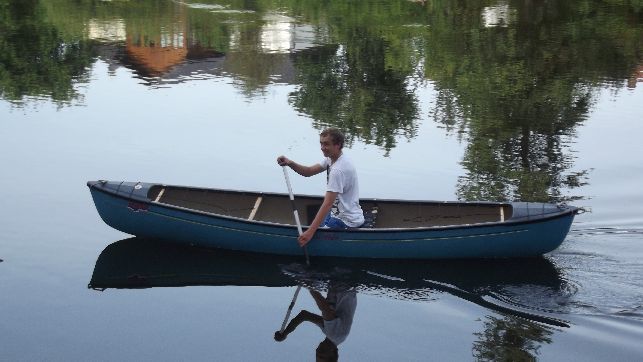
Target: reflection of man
337,311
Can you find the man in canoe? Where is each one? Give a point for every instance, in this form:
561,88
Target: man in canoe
342,187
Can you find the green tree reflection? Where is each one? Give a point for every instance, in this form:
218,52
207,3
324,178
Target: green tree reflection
35,59
350,88
510,339
515,79
517,93
365,84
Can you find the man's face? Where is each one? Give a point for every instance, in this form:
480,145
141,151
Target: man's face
328,148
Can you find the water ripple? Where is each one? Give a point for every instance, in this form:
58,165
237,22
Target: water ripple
607,231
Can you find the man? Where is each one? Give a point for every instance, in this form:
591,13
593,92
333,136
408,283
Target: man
341,185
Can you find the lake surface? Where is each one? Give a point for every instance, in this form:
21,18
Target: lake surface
497,100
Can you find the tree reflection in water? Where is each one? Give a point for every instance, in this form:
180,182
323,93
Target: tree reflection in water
509,338
517,92
37,60
350,87
514,80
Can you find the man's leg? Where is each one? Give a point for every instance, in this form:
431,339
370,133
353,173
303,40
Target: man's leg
333,223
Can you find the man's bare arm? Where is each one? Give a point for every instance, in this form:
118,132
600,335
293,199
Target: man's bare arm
328,313
327,204
303,316
305,171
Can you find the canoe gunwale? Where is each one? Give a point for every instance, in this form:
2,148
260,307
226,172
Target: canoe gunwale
564,212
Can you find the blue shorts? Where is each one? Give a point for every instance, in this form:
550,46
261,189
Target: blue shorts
333,223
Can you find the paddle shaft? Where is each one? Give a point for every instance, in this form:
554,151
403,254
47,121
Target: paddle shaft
294,210
292,304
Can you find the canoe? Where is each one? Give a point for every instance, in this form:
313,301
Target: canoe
396,229
138,263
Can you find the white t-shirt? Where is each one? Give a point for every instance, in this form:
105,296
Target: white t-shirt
345,303
343,180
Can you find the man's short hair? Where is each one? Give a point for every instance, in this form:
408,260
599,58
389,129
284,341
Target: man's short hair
335,135
327,351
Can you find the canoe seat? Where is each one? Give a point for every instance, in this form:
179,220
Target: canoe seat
253,212
160,194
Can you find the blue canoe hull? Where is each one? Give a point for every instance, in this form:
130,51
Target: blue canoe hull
126,207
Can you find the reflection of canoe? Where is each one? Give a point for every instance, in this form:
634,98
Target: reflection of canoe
263,222
146,263
140,263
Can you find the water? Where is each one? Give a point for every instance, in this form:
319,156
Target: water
535,102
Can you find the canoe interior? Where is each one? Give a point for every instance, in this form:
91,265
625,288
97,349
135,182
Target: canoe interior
276,208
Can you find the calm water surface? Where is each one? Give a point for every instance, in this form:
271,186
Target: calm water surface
497,100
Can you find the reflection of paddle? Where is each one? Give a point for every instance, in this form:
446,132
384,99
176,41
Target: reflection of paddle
292,304
294,210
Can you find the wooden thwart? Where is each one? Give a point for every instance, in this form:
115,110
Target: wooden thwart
255,208
158,197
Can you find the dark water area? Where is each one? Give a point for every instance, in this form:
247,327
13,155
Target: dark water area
493,100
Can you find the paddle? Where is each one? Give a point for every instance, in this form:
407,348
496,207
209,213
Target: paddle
292,304
294,210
